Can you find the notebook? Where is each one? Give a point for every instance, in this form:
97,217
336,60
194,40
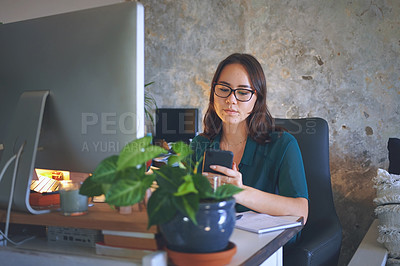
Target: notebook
264,223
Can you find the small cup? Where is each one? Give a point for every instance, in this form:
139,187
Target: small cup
71,202
215,181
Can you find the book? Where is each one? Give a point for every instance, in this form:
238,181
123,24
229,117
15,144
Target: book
128,233
130,242
107,250
44,185
44,199
263,223
136,240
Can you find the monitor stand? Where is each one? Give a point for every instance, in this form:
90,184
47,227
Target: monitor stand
23,130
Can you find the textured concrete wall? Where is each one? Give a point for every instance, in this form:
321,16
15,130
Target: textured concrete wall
334,59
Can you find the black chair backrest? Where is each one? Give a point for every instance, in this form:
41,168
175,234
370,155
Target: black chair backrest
312,135
173,124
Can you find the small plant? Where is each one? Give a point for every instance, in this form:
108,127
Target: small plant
149,103
124,180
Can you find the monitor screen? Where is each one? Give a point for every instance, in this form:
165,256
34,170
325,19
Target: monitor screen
174,124
75,80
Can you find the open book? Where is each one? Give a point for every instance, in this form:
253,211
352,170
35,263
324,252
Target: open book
263,223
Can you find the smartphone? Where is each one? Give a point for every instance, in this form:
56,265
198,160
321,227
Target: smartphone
217,157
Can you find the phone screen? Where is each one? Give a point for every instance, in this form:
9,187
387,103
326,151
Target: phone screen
217,157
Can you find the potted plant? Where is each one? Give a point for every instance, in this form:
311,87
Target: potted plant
149,103
191,216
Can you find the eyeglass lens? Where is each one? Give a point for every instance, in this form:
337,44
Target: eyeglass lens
242,95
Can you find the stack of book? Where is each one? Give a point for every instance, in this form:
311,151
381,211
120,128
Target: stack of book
137,240
106,250
44,199
44,192
128,244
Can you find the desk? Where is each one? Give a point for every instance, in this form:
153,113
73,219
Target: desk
100,217
370,251
255,249
252,249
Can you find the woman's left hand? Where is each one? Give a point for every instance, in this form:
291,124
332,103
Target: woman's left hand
229,176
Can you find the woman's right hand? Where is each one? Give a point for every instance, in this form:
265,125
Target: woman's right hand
227,176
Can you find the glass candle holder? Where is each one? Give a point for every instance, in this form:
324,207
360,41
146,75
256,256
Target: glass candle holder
215,182
71,202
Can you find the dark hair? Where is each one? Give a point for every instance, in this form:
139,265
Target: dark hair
260,123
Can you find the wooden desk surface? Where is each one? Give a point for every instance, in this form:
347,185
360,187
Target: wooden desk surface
100,217
253,249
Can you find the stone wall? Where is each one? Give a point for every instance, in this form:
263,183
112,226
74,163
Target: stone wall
334,59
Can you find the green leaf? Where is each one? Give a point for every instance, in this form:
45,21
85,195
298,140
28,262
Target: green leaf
203,186
106,188
106,171
182,152
148,84
188,205
170,178
132,173
226,191
160,208
90,188
149,103
127,192
196,165
138,152
187,187
182,148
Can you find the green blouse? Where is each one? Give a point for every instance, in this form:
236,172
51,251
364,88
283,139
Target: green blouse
275,167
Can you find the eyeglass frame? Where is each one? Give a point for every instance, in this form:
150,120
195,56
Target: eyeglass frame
234,91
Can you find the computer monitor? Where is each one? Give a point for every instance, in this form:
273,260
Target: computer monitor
174,124
71,92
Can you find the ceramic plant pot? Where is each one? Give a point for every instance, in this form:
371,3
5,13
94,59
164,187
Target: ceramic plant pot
216,221
203,259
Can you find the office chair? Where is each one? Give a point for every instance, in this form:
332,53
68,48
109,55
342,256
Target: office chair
174,124
321,237
394,156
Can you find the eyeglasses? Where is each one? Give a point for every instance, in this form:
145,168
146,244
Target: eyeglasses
224,91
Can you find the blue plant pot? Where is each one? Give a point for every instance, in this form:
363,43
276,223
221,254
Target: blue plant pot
215,224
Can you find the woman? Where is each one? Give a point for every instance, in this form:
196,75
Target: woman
267,162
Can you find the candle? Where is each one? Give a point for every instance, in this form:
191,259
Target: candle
71,202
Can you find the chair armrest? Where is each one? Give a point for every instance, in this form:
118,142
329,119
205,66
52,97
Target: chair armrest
323,234
318,246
